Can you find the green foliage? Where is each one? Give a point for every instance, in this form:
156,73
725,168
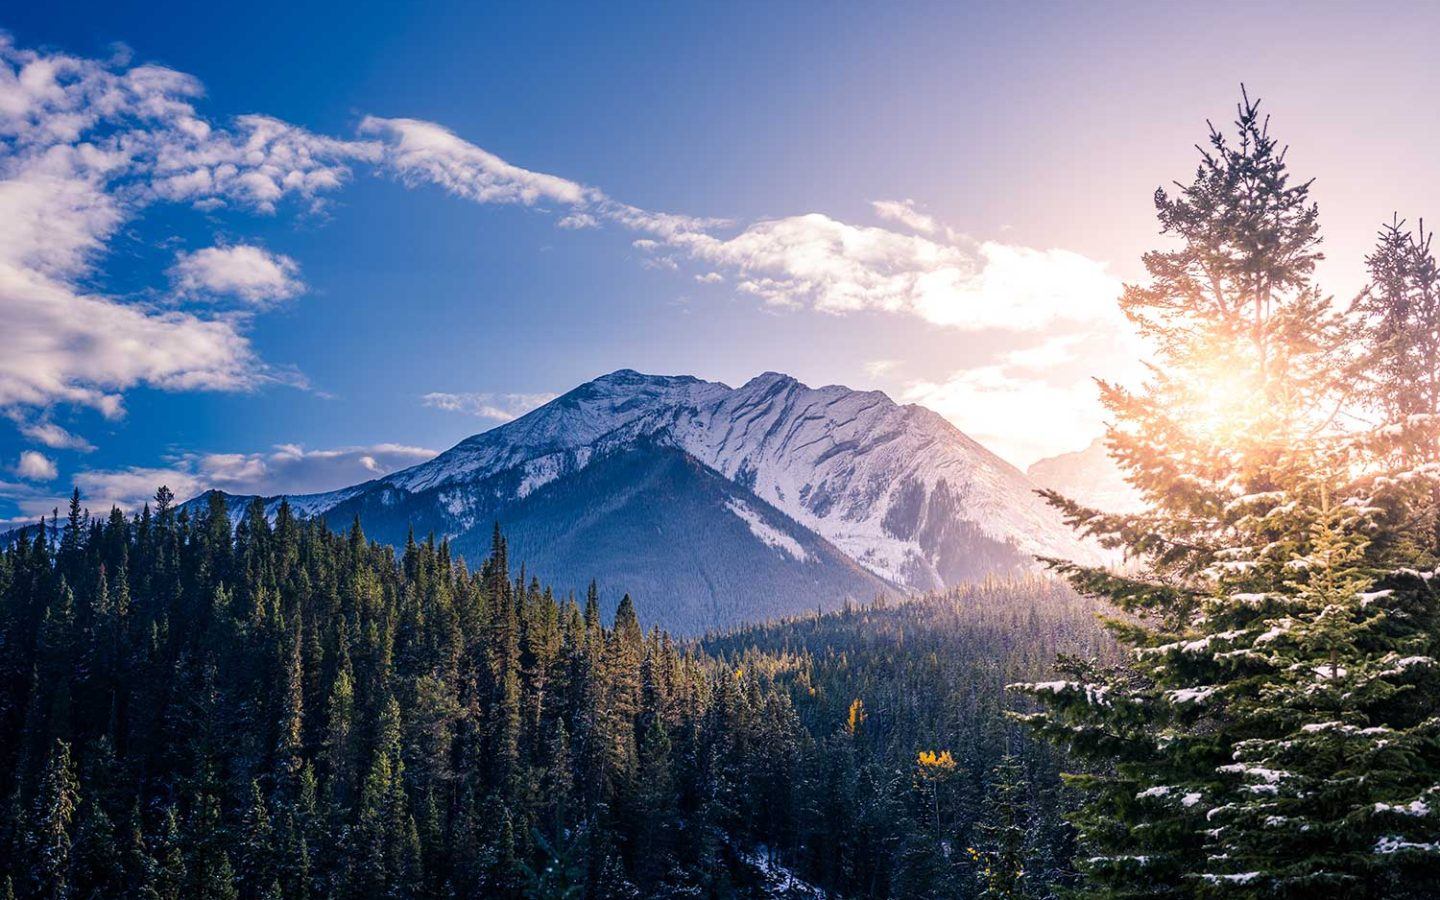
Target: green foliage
285,711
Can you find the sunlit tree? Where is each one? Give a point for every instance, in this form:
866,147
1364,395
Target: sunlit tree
1248,749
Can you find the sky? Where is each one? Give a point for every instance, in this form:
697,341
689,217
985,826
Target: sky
288,247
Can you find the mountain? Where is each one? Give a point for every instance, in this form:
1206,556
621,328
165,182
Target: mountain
1088,476
719,505
28,532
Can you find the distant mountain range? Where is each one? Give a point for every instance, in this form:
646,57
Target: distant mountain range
1088,476
716,505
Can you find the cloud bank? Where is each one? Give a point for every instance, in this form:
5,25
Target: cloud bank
284,469
85,146
499,407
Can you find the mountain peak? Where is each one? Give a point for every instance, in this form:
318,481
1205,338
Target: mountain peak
769,383
630,376
767,377
621,375
1090,476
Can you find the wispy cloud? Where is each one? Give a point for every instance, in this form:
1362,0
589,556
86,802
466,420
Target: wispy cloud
424,151
499,407
50,435
905,213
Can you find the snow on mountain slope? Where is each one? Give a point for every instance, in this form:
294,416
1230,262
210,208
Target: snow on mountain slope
897,488
542,438
891,485
1090,477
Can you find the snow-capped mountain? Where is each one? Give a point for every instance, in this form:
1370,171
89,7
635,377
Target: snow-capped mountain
1090,477
872,492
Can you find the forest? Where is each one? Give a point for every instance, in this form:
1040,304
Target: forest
284,711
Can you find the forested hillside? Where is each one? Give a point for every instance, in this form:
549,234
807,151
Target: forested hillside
282,711
874,688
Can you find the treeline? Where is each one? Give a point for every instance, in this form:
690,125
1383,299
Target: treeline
280,711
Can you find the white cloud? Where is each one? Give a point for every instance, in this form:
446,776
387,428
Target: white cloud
36,466
50,435
809,260
291,469
425,151
85,145
905,213
878,367
500,407
252,274
1036,400
834,267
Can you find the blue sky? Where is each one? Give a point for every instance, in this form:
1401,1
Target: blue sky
940,201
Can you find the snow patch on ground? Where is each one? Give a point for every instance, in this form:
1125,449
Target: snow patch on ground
779,877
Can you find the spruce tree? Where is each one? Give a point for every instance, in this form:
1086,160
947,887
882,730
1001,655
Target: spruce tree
1262,736
1398,317
1001,864
654,807
256,848
52,823
96,867
168,881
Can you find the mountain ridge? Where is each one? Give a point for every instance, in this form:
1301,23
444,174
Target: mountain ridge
894,489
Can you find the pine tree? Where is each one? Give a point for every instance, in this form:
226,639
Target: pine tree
1399,323
219,881
97,870
338,751
502,874
168,882
654,807
1248,750
374,863
1003,834
559,873
52,823
289,749
1242,337
256,845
